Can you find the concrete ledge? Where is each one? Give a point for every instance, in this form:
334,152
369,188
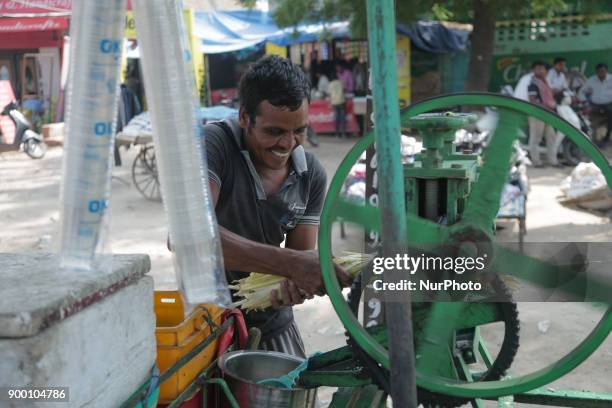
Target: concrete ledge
103,353
36,293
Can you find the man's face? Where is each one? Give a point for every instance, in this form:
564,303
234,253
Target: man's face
539,71
275,133
560,66
601,73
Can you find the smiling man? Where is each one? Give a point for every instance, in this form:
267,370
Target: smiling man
267,189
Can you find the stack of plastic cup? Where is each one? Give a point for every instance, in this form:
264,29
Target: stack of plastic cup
96,34
171,96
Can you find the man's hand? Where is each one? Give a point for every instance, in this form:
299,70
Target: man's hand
306,273
289,295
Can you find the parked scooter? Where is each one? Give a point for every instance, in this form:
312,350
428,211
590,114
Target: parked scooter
568,149
25,137
568,110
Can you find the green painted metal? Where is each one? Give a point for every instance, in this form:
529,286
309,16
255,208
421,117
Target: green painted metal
483,203
362,397
381,41
421,231
228,393
565,398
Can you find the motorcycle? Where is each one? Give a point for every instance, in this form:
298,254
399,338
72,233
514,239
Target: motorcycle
572,113
25,137
598,121
570,110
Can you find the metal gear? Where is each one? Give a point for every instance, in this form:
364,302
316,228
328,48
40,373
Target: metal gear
429,399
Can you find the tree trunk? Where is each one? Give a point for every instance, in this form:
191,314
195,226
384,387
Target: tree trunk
482,39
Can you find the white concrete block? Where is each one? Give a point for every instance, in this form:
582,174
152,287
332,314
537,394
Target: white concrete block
102,352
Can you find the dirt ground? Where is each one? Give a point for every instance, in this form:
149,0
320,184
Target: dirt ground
29,215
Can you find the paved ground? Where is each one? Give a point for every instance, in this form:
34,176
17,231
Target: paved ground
29,215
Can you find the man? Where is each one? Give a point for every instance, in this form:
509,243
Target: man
598,90
346,77
540,94
556,78
336,98
266,189
520,91
322,89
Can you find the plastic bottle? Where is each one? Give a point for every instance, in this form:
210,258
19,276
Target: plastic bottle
171,96
96,34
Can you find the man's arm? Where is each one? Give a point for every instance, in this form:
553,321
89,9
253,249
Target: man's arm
300,266
303,237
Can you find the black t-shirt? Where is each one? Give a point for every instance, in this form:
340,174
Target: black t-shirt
244,209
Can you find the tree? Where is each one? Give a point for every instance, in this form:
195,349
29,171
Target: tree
482,14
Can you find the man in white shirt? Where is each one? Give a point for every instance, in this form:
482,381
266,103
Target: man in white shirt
598,91
556,78
520,90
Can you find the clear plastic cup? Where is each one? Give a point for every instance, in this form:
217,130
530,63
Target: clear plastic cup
171,95
96,34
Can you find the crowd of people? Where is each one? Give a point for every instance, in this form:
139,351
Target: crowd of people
546,86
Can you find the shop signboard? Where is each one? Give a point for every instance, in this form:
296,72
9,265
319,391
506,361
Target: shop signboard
321,117
28,16
34,7
508,69
403,68
581,42
273,49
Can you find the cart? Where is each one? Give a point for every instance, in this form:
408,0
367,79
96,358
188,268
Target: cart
139,133
146,395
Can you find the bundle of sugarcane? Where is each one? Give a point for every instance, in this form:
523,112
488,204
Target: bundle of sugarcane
255,289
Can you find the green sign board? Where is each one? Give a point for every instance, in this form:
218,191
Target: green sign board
517,44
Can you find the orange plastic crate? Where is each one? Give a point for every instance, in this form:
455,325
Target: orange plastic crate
178,335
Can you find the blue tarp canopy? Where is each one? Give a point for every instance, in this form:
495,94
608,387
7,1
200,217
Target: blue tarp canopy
431,36
225,31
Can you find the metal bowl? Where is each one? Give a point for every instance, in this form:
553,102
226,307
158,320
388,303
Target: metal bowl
243,369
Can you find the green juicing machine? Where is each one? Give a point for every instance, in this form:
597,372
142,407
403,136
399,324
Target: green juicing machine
426,351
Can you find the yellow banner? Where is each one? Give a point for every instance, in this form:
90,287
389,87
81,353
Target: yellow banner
273,49
195,46
403,68
130,25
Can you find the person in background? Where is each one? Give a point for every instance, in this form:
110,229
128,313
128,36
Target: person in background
322,89
315,66
598,91
360,77
520,91
575,80
540,94
556,78
337,100
346,77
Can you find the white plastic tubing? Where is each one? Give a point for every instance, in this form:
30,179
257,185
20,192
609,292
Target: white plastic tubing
177,134
96,34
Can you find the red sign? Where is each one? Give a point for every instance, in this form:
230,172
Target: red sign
6,124
322,119
25,24
34,6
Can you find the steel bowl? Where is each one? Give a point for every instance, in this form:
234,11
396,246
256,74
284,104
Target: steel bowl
243,369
